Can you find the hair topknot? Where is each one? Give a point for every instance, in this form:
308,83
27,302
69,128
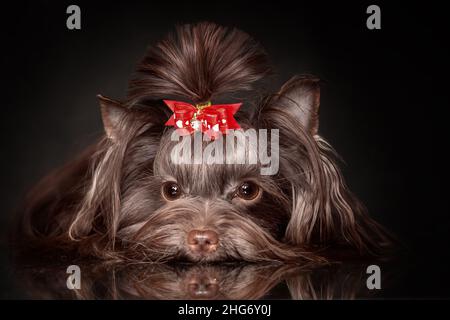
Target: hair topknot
199,62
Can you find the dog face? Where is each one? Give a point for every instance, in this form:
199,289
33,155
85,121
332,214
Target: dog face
206,212
194,211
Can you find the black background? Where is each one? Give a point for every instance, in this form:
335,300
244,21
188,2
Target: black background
383,108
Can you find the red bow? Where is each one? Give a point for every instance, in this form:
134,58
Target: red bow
207,118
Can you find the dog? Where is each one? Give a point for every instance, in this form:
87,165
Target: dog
125,197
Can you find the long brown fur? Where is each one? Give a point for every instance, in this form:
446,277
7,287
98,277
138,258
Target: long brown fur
108,202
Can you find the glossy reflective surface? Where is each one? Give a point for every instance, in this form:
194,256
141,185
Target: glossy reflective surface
182,281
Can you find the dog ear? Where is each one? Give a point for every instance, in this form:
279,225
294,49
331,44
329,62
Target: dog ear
324,210
112,112
298,100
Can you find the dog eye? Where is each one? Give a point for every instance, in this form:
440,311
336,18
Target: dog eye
248,191
171,191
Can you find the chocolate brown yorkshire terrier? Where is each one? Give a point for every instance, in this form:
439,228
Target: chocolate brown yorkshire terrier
128,196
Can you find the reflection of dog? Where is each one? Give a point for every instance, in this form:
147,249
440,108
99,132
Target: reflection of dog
124,197
161,281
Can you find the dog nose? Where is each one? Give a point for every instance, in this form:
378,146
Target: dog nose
202,241
202,287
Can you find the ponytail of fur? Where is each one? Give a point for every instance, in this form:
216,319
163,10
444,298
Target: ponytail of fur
197,63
